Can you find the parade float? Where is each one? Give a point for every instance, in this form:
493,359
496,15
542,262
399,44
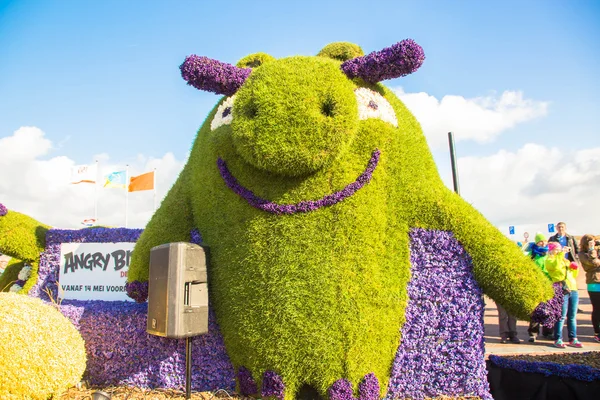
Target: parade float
340,265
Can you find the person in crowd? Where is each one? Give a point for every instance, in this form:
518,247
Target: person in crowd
538,250
588,256
562,270
566,240
507,325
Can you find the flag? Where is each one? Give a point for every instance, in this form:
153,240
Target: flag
88,222
84,174
116,180
142,182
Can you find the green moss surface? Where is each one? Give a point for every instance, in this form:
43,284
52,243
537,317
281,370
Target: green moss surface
10,274
255,60
23,238
341,51
320,296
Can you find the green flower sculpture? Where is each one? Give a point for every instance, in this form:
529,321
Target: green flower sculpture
304,181
24,239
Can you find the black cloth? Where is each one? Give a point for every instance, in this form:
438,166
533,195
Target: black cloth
572,243
595,300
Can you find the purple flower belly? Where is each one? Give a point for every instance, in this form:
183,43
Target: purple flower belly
442,348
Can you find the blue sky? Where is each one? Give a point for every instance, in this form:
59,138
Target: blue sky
100,80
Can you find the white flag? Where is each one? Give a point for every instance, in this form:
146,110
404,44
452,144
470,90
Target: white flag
84,174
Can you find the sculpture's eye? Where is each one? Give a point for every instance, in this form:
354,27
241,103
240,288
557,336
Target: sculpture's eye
224,114
373,105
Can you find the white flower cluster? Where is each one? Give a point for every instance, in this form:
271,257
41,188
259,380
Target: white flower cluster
373,105
224,114
15,288
25,273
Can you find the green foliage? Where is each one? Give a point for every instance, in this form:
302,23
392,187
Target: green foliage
10,274
23,238
255,60
321,295
41,352
292,117
341,51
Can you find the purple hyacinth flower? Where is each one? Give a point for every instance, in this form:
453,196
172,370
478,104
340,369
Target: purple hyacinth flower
303,206
247,383
368,389
549,312
272,385
341,390
137,290
400,59
212,75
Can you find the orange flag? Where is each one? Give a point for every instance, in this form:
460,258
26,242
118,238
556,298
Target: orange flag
142,182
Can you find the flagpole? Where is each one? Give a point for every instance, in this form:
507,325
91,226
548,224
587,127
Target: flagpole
154,186
126,192
96,195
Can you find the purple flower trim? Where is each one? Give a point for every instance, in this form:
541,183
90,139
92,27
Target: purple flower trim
212,75
549,312
273,386
50,258
247,384
341,390
137,290
572,371
3,210
303,206
195,236
400,59
368,389
442,349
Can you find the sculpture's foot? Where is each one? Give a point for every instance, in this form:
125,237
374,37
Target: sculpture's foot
272,384
273,387
368,389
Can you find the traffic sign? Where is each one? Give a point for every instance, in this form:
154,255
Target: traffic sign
551,228
511,230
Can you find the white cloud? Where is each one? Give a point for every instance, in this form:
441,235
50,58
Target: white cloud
40,187
480,119
533,187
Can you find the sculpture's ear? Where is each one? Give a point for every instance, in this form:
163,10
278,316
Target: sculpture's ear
212,75
398,60
254,60
341,51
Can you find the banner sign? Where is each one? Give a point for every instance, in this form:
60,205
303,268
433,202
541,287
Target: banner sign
94,271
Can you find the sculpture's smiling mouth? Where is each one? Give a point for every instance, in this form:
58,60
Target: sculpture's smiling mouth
302,206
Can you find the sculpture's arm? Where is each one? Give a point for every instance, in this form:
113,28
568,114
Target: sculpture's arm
172,222
21,236
504,273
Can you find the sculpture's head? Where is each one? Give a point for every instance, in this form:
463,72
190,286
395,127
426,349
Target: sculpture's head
295,116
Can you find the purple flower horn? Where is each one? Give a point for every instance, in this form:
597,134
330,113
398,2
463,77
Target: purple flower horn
213,76
398,60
